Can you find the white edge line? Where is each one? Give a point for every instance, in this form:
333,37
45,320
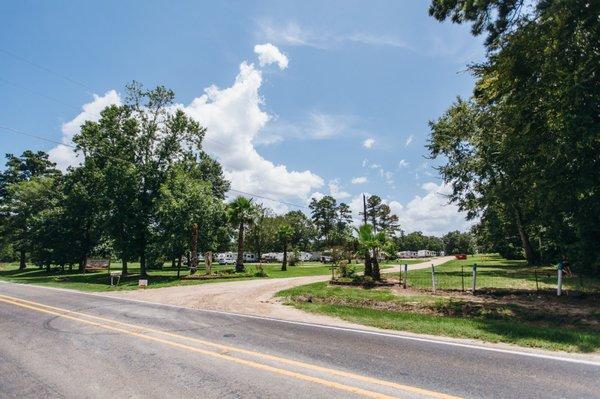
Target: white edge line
324,326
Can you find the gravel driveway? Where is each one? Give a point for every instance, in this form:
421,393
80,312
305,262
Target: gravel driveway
254,297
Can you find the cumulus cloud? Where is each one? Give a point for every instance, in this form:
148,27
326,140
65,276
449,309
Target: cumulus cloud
336,191
403,164
233,117
359,180
409,140
368,143
269,54
63,154
430,213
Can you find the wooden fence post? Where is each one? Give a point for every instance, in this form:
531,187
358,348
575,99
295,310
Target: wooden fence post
433,277
405,274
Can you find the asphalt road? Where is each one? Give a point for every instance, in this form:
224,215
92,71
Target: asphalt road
61,344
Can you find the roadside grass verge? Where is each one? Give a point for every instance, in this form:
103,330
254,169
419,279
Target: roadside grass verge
529,324
493,271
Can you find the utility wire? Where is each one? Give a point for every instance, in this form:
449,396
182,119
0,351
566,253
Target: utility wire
50,71
23,133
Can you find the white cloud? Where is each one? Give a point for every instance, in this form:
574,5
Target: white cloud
377,40
368,143
292,34
359,180
403,164
409,140
63,154
316,126
233,117
429,213
336,191
269,54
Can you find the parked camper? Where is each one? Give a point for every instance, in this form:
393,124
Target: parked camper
229,258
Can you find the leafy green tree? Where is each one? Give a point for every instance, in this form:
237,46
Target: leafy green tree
371,241
529,145
14,214
332,221
185,201
324,217
303,230
285,233
29,202
456,242
83,214
134,146
241,212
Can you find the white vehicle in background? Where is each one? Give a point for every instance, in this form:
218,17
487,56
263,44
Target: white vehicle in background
229,258
226,258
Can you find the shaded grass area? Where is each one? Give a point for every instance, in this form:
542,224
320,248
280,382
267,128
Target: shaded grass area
526,324
495,272
166,277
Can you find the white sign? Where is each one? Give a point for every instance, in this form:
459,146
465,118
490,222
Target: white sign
143,283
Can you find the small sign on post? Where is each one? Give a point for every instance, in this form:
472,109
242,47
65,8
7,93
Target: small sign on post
143,282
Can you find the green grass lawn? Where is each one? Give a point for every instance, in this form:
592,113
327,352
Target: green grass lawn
572,325
495,272
159,278
166,277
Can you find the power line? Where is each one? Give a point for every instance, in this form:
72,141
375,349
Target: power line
48,70
23,133
51,98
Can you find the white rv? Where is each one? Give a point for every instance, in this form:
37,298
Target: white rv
229,258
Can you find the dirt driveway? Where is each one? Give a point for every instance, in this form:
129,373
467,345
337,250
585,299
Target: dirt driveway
254,297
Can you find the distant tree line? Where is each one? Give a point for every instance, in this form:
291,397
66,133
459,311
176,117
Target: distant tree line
522,153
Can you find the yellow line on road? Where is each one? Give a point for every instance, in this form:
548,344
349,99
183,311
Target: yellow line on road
65,312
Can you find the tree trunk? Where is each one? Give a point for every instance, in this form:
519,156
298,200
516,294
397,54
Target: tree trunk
375,273
143,271
22,263
178,265
81,266
48,267
284,264
368,267
194,259
70,267
526,244
239,262
62,267
124,266
173,263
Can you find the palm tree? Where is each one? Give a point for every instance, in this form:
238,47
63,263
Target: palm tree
284,233
241,212
371,241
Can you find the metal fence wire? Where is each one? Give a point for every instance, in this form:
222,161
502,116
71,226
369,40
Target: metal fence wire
475,277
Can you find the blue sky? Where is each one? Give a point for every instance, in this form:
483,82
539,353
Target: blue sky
345,113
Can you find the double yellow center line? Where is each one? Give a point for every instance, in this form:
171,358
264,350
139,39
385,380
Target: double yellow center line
225,352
